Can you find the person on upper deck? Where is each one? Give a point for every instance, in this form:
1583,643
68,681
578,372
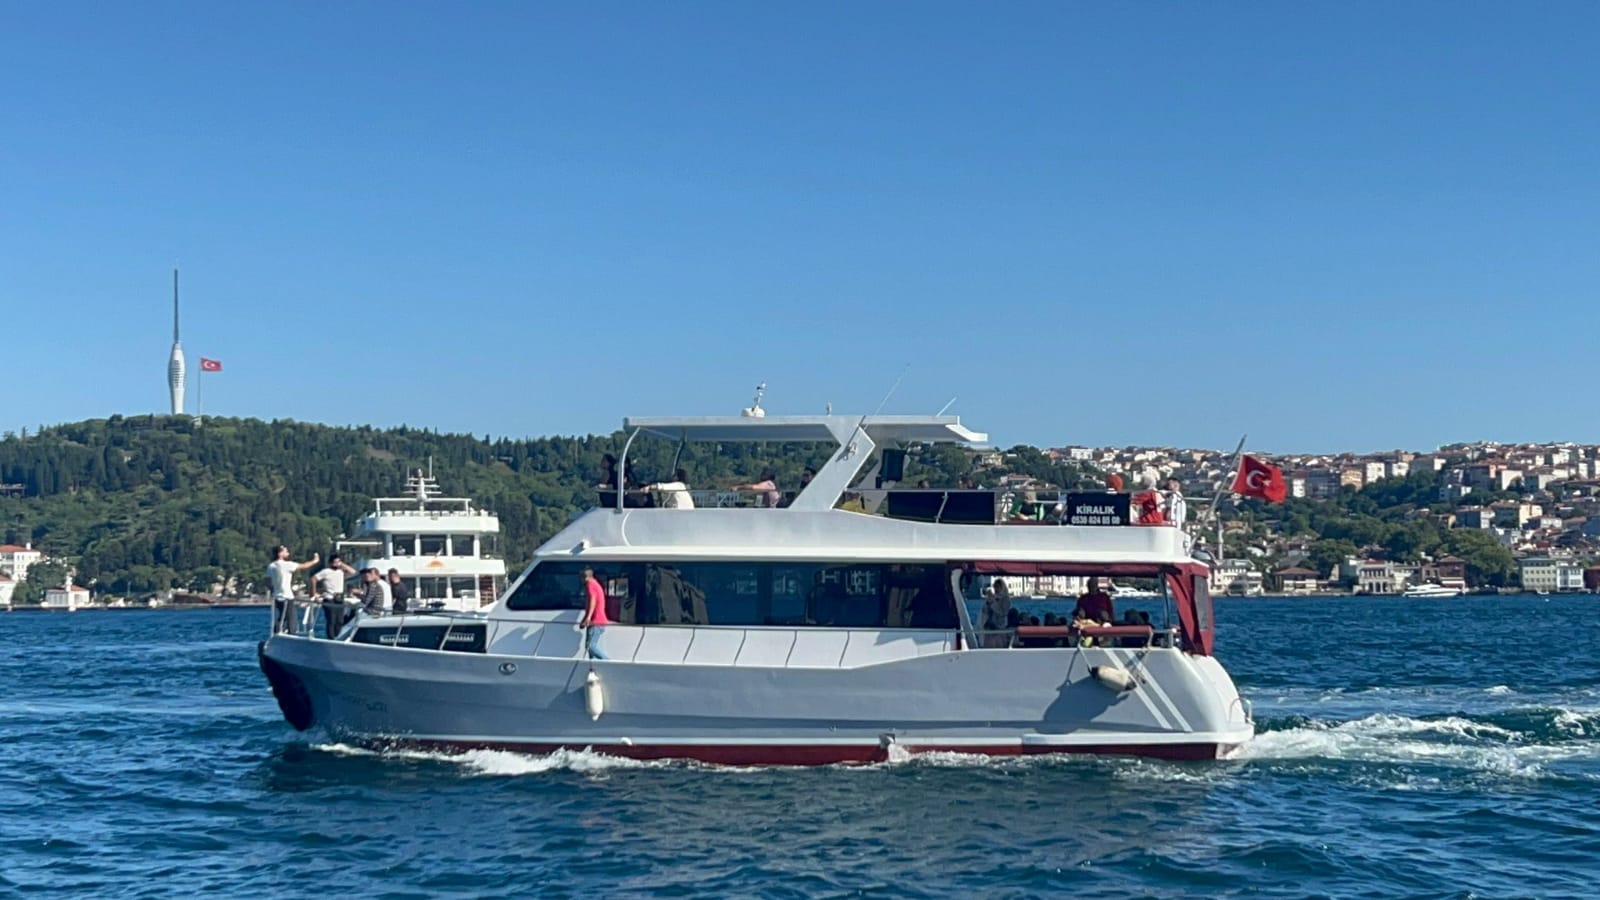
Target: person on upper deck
673,494
1147,504
767,487
1094,606
806,475
608,473
1173,505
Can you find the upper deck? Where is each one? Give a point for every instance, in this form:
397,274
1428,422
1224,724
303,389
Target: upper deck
852,510
424,511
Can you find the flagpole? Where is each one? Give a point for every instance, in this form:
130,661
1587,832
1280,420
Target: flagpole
200,396
1229,473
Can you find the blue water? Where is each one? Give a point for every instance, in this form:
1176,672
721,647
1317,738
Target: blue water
1409,748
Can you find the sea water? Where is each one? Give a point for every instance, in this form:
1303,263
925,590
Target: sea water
1431,748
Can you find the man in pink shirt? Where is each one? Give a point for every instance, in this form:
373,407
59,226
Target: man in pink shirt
594,613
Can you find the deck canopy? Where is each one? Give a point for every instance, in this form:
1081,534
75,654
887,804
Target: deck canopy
882,429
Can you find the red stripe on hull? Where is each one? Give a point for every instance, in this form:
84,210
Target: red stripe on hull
814,754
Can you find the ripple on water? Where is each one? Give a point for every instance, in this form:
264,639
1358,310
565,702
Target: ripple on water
144,756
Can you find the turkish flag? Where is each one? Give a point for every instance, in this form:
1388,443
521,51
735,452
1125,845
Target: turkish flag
1259,479
210,365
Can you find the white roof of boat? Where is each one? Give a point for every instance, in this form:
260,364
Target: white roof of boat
923,429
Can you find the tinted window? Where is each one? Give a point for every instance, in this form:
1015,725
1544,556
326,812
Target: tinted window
462,545
559,585
551,585
431,545
840,595
1202,603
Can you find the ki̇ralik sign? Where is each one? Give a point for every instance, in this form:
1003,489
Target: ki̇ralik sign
1097,509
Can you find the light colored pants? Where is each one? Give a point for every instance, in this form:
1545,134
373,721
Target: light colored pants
592,641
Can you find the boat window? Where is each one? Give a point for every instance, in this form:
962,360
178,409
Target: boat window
857,595
431,545
462,545
551,585
404,544
432,588
1202,603
839,595
462,587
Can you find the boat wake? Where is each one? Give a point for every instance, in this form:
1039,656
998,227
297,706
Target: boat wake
505,762
1531,742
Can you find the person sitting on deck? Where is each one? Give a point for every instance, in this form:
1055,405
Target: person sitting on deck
673,494
768,488
1094,607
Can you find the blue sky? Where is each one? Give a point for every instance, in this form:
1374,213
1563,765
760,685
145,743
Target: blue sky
1333,226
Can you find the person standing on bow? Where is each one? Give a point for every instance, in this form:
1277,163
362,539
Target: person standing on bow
280,576
399,591
594,613
328,584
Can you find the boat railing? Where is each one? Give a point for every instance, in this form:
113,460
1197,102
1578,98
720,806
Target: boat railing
946,506
1044,636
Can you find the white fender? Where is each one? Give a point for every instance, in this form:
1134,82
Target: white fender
594,696
1113,677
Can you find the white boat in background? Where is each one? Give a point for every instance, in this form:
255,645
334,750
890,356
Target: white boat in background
1119,592
830,630
1432,591
442,547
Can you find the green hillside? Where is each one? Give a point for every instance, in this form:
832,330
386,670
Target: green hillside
143,504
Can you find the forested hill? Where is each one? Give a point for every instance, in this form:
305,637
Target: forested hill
143,504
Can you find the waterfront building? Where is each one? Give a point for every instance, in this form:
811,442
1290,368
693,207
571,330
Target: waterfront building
1295,580
15,559
68,597
1548,573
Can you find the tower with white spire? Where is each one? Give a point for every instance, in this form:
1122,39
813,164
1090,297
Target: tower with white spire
175,367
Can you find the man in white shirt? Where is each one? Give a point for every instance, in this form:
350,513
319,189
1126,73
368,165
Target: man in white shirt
674,494
280,575
1174,507
328,584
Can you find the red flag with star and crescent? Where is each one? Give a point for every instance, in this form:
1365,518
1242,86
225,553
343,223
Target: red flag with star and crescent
210,365
1259,479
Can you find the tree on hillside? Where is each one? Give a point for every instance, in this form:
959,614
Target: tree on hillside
41,577
1488,561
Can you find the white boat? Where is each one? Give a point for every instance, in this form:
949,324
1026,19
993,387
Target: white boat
1432,591
440,546
804,634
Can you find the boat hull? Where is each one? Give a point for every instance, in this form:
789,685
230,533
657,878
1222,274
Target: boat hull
993,702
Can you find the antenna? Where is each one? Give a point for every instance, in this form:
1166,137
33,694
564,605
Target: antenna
174,306
946,406
892,388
